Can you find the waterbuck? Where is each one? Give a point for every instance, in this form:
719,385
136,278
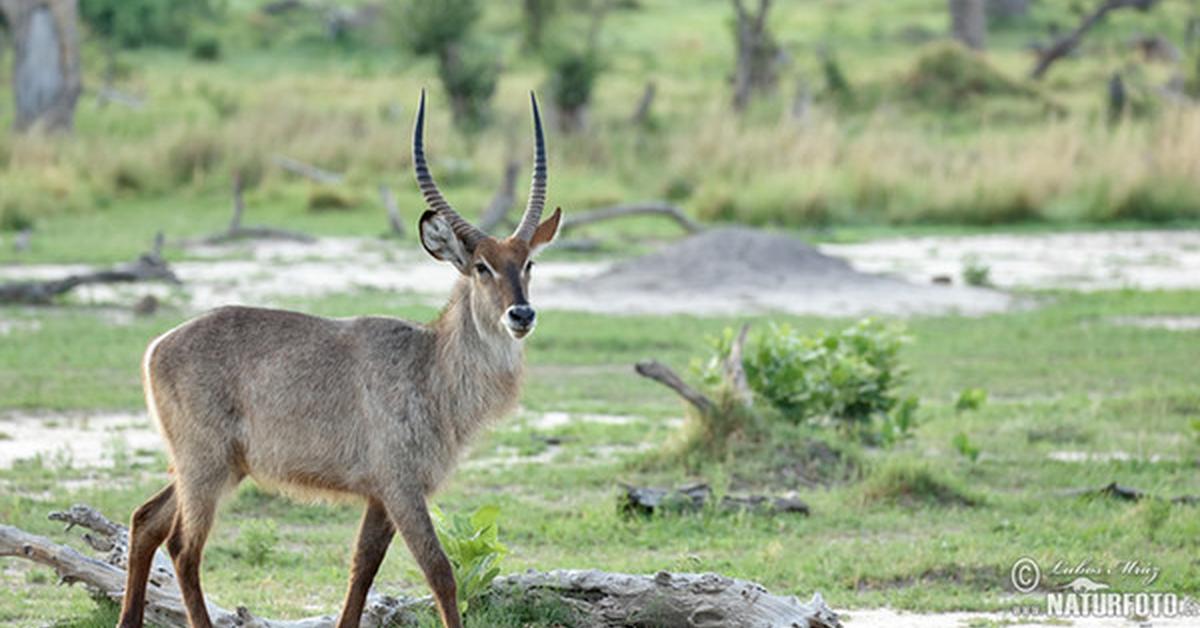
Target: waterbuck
373,407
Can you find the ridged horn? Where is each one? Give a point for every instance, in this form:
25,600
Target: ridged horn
537,189
467,232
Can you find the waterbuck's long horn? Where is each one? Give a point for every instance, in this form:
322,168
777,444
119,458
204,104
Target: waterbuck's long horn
467,232
537,190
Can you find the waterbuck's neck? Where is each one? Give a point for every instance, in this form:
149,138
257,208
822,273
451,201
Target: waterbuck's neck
478,365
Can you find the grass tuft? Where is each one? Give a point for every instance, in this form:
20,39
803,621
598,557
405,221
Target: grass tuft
910,483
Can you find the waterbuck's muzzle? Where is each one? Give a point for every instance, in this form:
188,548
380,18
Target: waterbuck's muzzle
519,320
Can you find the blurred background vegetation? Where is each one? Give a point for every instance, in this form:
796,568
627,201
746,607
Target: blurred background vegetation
861,112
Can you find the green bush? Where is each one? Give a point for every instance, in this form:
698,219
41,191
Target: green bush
573,73
257,541
428,28
469,75
473,546
134,23
205,47
847,378
467,69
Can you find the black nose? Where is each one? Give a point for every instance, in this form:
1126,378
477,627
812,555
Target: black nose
521,315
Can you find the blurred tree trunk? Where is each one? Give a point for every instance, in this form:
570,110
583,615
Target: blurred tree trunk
46,73
757,54
968,22
1007,9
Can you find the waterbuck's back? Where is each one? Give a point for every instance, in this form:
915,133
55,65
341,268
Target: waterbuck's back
293,399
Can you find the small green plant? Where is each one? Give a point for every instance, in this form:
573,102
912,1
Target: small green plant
970,399
848,377
257,541
963,445
976,273
473,546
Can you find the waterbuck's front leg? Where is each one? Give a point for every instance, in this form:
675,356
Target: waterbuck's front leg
374,536
410,515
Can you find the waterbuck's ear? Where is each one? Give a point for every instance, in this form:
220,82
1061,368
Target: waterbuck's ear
439,240
545,232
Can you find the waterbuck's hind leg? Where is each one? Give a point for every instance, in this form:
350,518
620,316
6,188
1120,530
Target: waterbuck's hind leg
149,527
411,517
374,535
197,496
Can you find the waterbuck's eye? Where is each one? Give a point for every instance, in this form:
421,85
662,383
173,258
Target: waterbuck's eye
528,266
483,270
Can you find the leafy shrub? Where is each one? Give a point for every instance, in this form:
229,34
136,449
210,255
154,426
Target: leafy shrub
431,27
469,75
963,445
573,74
257,541
467,70
848,377
473,546
134,23
13,218
976,273
970,399
205,47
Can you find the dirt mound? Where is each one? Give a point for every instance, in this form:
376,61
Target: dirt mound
734,256
740,270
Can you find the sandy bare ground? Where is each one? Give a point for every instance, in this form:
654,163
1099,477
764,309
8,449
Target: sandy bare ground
1075,261
76,440
727,271
708,274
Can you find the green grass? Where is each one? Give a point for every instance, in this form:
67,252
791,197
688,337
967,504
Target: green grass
935,535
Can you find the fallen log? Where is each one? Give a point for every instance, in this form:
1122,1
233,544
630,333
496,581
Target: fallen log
237,231
307,171
600,599
1113,490
694,497
648,208
150,266
1067,43
671,599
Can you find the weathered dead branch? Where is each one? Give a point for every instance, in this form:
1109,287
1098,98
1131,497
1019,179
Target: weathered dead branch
395,220
664,375
602,599
693,497
150,266
1067,43
735,375
497,209
648,208
307,171
641,115
238,231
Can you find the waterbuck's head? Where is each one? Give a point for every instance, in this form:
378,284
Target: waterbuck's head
497,271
